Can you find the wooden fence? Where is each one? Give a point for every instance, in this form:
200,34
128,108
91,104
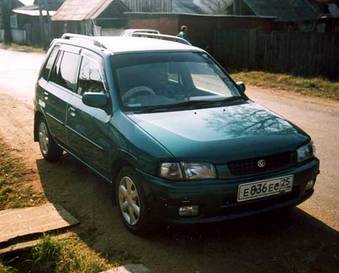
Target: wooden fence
299,53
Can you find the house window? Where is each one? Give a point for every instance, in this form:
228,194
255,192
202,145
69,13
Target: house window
14,21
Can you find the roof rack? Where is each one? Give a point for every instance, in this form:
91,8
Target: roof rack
70,36
161,37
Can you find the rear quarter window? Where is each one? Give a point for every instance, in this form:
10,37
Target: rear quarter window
49,63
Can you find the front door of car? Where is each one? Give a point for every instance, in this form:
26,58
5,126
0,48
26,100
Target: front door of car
87,127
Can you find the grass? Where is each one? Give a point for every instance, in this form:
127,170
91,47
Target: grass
22,48
6,269
67,256
15,192
316,87
59,256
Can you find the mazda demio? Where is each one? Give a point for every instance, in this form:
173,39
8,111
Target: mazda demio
163,122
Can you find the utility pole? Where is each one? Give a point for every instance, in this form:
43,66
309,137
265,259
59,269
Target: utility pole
235,4
6,7
48,18
41,22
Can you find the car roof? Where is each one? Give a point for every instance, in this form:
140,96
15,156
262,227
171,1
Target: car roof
140,44
121,44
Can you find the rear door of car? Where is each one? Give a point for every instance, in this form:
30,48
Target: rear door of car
61,87
87,127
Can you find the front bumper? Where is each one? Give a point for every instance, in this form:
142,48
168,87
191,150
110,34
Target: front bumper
217,199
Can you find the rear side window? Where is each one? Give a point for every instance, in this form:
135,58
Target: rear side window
65,70
49,64
90,79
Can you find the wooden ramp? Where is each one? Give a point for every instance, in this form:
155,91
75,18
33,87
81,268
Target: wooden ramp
130,268
21,226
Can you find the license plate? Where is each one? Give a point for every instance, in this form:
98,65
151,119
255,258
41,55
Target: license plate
264,188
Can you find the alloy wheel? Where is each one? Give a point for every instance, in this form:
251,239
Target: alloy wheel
129,201
43,138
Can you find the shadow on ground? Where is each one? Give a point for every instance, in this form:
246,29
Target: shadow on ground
277,242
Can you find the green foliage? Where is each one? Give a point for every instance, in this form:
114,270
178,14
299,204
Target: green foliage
66,256
7,269
46,255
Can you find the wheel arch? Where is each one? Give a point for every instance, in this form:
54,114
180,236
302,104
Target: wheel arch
123,159
37,116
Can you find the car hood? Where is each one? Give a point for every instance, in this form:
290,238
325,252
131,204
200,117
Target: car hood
221,134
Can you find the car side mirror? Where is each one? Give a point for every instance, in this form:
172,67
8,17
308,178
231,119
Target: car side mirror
96,100
241,86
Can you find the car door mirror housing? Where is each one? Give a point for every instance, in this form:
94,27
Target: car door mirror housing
241,86
97,100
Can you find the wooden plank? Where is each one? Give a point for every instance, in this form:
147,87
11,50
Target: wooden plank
16,223
130,268
29,244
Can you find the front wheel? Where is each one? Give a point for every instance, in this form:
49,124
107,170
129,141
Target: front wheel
49,149
131,202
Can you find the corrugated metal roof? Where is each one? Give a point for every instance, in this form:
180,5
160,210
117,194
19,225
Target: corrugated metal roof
288,10
190,6
77,10
30,12
26,2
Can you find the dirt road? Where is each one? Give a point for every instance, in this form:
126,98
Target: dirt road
304,240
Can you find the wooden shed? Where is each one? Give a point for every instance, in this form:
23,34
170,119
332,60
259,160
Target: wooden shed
96,17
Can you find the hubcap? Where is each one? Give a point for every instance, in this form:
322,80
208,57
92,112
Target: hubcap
43,138
129,201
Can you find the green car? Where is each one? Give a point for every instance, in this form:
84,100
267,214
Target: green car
178,139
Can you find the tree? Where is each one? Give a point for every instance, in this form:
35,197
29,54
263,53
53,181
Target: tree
218,6
6,17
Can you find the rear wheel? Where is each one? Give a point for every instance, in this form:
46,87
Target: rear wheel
49,149
131,202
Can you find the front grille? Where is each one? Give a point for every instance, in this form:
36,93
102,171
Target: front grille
250,166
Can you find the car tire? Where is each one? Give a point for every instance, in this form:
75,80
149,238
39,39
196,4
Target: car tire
49,149
130,200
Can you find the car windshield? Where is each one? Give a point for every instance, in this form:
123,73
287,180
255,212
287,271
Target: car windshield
165,80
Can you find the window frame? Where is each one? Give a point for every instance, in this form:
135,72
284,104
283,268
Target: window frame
99,61
56,47
185,76
59,58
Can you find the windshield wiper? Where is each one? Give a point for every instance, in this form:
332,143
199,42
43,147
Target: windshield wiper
205,102
189,104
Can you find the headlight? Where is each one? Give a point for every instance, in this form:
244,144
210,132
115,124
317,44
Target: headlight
188,171
195,171
305,152
171,171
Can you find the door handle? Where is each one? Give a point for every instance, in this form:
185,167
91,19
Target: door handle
71,111
46,93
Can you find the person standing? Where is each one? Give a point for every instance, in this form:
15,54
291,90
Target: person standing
183,33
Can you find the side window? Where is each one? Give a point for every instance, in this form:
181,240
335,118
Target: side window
65,70
90,79
50,62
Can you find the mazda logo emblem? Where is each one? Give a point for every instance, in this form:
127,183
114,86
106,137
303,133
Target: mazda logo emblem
261,163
